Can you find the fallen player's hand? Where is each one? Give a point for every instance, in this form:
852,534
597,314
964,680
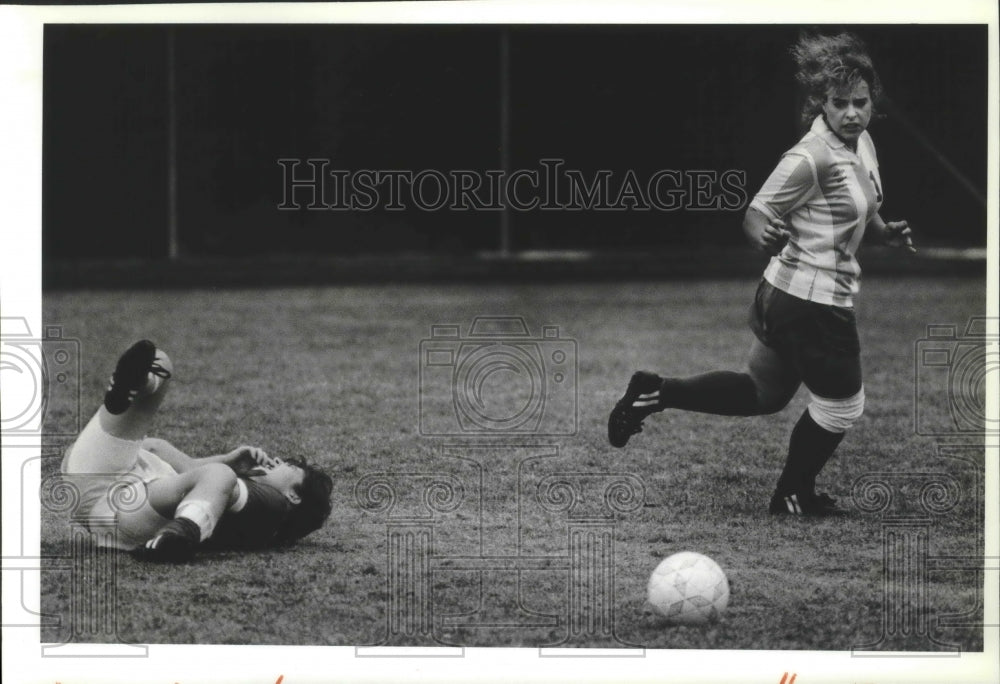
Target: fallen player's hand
250,460
898,234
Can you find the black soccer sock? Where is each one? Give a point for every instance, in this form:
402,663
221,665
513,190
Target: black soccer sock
809,448
724,393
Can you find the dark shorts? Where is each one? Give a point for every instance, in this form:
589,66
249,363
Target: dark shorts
819,340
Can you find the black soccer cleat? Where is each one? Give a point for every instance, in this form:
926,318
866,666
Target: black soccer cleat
642,397
174,543
805,504
130,376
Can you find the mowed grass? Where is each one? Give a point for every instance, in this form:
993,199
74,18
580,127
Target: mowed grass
334,374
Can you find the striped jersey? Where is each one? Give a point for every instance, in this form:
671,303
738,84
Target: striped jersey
826,194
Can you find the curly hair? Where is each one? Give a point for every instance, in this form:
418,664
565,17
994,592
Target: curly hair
313,508
838,62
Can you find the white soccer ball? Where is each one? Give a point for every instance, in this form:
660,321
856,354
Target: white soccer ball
689,589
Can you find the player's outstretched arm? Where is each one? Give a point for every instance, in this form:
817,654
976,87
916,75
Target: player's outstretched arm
244,460
891,233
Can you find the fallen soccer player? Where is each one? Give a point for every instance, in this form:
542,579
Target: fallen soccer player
243,499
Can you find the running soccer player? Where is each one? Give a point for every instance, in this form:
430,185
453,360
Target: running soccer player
810,216
243,499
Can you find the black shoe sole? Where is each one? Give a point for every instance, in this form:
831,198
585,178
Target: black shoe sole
779,508
129,376
616,438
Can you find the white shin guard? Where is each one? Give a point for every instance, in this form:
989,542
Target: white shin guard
837,415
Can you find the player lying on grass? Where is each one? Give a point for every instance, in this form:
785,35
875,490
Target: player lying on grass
810,216
242,500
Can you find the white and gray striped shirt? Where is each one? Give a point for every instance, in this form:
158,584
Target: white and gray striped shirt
826,194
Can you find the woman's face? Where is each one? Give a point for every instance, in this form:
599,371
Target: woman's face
848,112
284,477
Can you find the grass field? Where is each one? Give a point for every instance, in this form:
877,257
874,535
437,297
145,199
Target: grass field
335,373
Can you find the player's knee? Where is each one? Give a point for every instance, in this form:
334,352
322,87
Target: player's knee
770,401
218,474
773,391
771,396
837,415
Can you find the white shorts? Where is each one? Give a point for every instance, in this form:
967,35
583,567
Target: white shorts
110,476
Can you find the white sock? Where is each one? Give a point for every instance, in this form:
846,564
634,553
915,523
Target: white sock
200,513
242,494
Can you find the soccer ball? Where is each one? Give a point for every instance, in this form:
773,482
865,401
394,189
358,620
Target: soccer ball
688,589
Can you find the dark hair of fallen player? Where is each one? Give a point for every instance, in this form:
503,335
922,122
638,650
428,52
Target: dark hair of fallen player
313,508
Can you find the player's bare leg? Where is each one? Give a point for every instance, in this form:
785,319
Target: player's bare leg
195,500
111,440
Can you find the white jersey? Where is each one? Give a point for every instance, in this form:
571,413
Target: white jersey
826,194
